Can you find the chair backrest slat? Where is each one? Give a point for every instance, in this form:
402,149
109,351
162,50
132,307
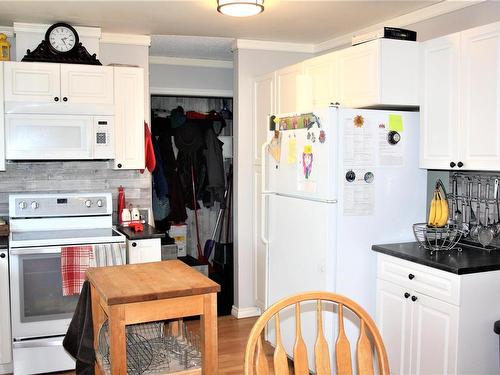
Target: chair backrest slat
280,359
369,338
300,365
364,352
321,351
342,347
261,364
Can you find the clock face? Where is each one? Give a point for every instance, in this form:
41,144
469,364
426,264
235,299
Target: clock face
62,38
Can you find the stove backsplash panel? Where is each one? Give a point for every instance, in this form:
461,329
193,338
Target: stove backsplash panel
73,176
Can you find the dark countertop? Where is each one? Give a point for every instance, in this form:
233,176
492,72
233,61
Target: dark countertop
148,233
469,260
4,242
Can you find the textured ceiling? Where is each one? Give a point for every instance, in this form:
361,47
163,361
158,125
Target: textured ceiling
286,21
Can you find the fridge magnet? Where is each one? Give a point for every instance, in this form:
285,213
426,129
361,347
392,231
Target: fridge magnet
294,123
358,121
291,155
274,146
283,125
322,136
307,161
369,177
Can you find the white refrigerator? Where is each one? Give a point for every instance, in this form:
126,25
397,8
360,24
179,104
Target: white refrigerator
335,182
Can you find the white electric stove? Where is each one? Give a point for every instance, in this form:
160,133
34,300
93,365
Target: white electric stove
41,224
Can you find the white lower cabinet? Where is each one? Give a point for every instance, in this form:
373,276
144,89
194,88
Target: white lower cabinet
437,322
144,251
5,338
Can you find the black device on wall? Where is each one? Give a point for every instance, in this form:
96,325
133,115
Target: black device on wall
61,45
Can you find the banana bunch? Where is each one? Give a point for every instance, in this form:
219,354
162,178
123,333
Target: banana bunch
438,212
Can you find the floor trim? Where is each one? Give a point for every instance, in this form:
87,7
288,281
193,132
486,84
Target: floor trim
245,312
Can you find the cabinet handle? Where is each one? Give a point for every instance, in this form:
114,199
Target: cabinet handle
134,244
407,295
119,165
460,164
452,164
2,255
65,99
411,276
414,298
56,99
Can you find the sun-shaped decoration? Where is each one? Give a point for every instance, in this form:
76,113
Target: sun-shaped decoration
359,121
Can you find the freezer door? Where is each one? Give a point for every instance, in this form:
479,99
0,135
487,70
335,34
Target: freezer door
301,258
307,158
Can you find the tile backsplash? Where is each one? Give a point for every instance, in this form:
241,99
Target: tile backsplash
73,176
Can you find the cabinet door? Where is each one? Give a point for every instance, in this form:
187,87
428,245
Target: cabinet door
263,99
86,84
144,251
394,320
359,74
434,336
289,82
480,76
5,339
32,82
2,122
129,118
439,95
321,72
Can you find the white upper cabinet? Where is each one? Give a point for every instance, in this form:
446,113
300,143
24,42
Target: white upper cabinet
321,73
263,92
292,90
439,110
129,118
32,82
86,84
379,72
480,73
461,100
2,122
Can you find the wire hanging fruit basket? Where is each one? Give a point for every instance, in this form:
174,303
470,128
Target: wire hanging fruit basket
437,239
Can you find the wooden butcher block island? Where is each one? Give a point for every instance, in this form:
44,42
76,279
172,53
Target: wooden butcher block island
152,292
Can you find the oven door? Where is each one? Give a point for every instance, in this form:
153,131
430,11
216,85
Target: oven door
38,306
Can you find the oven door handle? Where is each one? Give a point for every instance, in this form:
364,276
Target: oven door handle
35,250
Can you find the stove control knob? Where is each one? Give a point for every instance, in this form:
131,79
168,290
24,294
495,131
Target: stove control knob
34,205
23,205
88,203
99,203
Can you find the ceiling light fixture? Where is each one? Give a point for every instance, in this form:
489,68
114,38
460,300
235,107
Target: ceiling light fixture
240,8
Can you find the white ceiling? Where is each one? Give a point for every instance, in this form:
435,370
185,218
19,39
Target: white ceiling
295,21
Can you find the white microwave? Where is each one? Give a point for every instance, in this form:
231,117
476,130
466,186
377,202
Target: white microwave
58,137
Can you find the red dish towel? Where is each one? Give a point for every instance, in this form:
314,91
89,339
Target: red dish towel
149,152
74,262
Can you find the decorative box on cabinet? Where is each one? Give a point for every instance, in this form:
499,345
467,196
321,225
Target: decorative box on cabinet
461,100
379,72
437,322
129,118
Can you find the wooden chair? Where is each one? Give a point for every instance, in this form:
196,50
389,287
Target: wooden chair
256,361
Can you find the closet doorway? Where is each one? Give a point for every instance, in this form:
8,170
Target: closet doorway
186,130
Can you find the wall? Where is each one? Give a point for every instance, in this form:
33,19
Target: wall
80,176
248,65
191,80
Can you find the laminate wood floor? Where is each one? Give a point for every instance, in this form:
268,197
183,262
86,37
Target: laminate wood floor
233,335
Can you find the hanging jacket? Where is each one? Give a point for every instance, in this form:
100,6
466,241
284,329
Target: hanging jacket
215,187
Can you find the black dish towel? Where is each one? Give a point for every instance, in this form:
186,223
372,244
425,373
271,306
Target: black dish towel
79,340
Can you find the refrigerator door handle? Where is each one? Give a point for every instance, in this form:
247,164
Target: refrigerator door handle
263,201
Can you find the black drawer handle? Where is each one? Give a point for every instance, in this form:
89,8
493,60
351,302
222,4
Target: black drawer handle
56,99
2,255
134,244
119,165
407,295
460,164
414,298
411,276
65,99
